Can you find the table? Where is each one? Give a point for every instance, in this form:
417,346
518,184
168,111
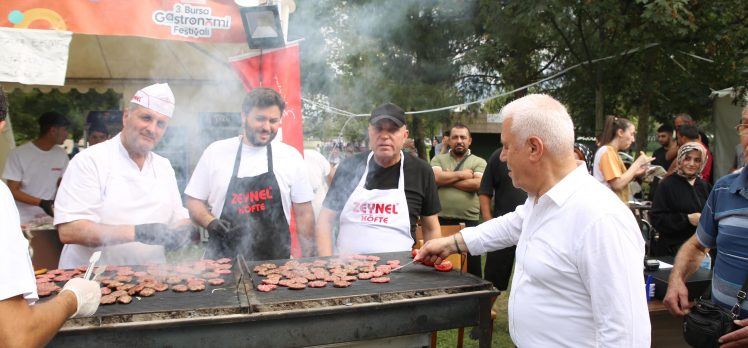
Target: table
666,328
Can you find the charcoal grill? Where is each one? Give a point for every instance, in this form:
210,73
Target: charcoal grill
417,300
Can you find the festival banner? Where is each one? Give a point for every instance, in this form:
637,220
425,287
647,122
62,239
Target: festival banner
185,20
34,57
278,69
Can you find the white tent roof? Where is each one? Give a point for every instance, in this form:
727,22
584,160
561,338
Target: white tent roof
198,73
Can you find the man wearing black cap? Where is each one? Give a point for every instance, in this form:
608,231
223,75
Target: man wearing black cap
33,170
376,197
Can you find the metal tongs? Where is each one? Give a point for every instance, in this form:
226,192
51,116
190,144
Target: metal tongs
91,263
407,264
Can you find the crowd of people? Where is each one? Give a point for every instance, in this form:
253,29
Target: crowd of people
549,213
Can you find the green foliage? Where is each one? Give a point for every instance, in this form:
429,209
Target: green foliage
662,57
378,51
25,109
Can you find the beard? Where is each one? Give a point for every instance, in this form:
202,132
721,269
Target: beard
253,137
459,151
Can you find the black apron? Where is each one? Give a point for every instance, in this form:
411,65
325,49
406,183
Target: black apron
254,204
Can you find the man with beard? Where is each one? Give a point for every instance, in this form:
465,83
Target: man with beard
120,197
250,183
34,169
458,175
665,138
377,197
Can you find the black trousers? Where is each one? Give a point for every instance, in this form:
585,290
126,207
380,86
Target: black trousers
499,266
473,262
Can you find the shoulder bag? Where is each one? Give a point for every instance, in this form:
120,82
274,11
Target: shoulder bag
707,322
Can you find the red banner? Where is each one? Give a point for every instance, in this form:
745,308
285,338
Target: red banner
185,20
279,69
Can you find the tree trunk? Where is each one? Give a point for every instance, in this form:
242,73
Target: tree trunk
642,129
418,137
599,104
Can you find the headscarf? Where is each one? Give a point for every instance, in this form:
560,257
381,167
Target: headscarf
589,157
685,149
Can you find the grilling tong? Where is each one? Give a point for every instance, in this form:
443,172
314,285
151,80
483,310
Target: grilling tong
91,263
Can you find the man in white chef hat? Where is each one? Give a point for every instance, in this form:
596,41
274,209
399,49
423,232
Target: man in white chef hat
120,197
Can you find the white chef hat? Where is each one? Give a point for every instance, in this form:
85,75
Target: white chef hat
157,97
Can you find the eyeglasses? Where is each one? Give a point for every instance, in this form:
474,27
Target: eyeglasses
742,129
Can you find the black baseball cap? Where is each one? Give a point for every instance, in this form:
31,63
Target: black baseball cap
98,127
53,119
390,112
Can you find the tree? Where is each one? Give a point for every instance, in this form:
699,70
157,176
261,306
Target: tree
25,108
405,52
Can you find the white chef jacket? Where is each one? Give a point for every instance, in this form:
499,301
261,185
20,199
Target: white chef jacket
578,278
16,271
103,185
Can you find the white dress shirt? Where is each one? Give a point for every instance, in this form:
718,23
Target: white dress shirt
578,279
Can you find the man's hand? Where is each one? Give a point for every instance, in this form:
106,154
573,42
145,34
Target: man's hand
162,234
181,236
48,206
87,293
676,300
436,250
466,174
220,229
737,338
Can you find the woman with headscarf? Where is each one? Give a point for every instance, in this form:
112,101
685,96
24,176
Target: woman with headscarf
679,199
618,135
584,154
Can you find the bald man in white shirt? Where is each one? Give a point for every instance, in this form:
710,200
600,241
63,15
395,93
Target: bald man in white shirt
578,278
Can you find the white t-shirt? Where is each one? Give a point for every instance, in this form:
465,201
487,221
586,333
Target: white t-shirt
16,271
577,278
210,180
318,169
38,172
596,172
105,186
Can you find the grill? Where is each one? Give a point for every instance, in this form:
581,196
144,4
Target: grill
417,300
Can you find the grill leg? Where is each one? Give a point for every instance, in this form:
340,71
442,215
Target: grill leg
485,322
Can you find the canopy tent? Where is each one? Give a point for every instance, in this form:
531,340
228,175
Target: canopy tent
198,73
119,46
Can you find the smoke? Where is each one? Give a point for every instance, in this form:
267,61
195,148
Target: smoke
357,55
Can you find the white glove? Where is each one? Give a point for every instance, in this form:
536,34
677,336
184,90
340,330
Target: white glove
87,294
